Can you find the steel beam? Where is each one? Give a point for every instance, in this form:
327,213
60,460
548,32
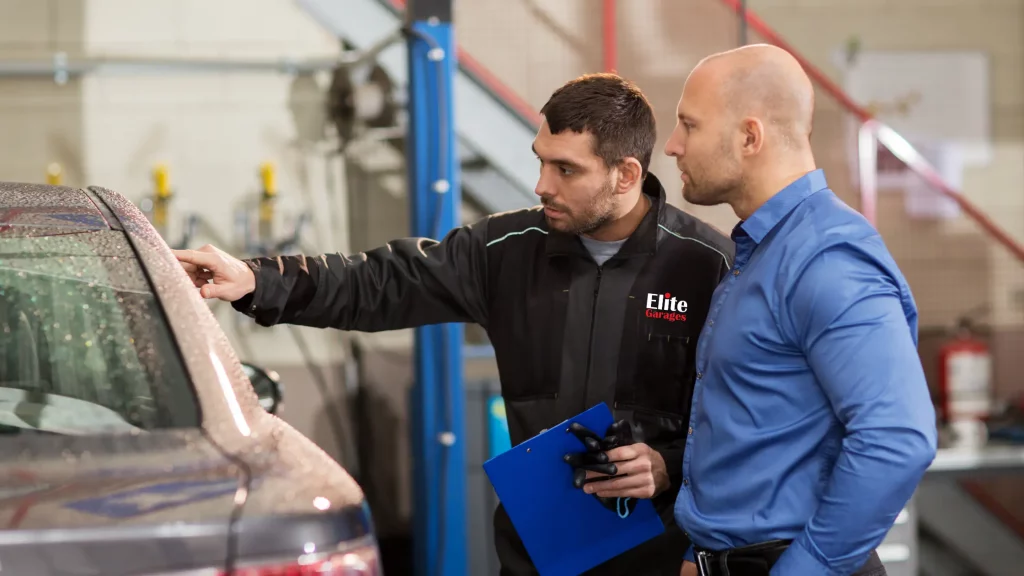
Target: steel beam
437,419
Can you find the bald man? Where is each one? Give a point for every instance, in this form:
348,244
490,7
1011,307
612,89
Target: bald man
811,423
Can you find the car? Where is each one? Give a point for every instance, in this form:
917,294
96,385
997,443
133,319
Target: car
133,439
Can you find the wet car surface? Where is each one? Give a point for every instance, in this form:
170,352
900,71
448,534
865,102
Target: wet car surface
132,441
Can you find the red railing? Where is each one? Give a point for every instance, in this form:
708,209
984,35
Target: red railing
609,38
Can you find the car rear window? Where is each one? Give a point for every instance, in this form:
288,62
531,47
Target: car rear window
84,346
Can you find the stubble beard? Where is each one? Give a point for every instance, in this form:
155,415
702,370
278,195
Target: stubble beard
600,212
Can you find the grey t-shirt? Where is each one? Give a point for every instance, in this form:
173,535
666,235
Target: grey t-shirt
602,251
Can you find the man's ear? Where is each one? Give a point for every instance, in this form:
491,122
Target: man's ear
753,136
630,174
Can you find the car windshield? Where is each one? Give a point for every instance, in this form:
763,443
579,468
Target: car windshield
84,346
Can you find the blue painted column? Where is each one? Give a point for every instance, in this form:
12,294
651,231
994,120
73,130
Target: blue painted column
437,410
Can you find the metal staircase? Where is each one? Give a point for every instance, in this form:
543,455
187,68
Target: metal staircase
498,168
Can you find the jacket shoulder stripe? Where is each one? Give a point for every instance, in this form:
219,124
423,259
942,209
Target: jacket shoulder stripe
722,254
517,233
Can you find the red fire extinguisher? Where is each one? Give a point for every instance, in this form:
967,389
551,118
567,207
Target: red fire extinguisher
965,376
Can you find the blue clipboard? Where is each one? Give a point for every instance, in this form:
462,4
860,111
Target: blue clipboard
565,530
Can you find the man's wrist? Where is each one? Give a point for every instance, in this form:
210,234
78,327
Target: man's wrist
252,268
248,303
671,466
659,470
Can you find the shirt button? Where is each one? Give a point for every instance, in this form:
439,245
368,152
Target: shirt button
690,431
711,322
736,272
686,481
699,375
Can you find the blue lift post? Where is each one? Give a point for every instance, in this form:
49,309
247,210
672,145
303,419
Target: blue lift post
437,409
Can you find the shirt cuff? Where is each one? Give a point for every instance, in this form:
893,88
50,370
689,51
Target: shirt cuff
798,560
688,555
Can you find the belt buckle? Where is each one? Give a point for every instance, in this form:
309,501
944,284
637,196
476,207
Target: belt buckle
703,563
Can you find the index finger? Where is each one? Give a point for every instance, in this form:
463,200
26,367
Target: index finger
202,259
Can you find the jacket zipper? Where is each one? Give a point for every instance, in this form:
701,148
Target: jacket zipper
590,343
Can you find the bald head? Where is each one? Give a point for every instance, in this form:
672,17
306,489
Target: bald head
765,82
744,126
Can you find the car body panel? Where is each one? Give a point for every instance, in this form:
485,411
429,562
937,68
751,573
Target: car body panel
71,210
243,465
170,494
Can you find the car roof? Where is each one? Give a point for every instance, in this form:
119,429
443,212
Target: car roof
48,209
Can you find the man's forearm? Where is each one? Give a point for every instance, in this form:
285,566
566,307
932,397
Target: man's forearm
407,283
875,475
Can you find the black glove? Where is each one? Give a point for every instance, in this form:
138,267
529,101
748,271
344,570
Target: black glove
596,460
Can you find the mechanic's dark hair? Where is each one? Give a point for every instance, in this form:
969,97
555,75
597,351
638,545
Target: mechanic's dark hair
612,109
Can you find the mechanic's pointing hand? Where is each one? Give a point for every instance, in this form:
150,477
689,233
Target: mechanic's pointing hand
216,273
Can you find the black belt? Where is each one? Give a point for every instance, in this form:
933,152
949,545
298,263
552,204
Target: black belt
753,560
758,559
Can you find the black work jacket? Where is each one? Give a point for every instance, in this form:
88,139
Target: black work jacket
567,333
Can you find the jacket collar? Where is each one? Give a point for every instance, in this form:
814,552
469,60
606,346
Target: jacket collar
765,218
643,240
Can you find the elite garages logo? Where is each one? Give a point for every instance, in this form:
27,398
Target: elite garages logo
666,307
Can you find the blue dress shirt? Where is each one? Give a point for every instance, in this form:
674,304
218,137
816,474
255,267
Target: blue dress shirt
811,419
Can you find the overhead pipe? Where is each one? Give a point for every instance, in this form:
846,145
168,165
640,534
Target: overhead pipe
61,67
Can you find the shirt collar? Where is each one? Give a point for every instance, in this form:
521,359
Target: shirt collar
761,222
